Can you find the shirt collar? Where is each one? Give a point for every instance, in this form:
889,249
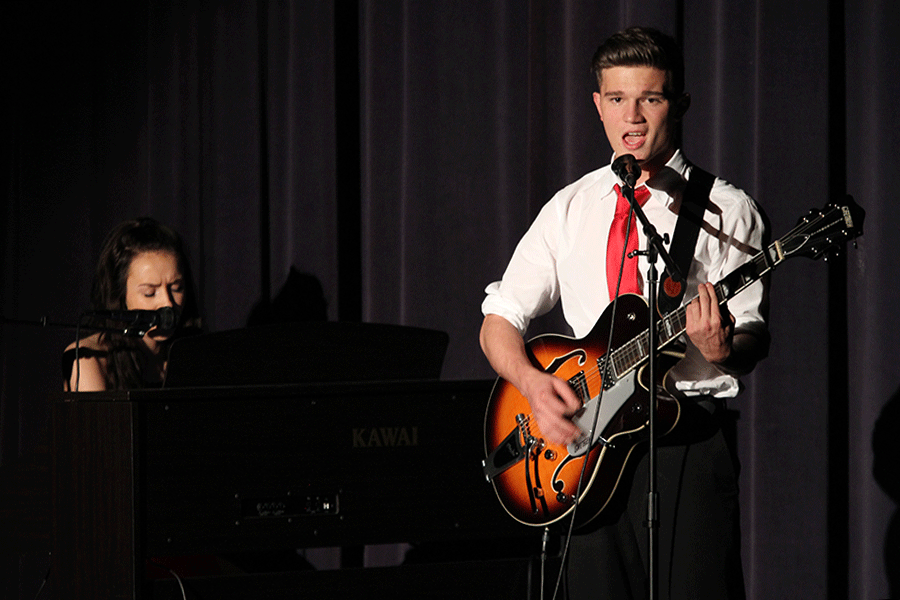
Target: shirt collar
665,184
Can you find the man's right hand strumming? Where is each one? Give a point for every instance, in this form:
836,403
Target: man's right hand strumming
553,402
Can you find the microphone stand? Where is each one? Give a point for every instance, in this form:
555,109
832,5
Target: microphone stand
45,323
41,322
654,250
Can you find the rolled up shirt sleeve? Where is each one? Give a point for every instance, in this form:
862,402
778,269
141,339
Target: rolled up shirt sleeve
530,284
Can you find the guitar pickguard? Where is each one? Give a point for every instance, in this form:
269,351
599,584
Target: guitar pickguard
608,402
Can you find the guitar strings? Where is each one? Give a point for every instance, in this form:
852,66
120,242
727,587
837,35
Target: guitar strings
672,325
594,372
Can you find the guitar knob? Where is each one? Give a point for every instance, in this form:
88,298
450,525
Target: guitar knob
563,498
550,454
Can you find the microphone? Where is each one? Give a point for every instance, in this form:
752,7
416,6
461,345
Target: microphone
139,322
627,169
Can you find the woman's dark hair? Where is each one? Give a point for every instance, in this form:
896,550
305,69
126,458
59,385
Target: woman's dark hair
123,243
643,47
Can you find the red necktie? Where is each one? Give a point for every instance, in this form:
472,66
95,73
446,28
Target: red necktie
630,281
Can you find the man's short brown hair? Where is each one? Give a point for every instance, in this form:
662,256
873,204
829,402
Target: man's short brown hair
643,47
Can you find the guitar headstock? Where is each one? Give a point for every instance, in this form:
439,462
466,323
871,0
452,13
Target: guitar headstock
824,232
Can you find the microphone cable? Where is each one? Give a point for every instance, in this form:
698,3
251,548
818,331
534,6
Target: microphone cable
603,377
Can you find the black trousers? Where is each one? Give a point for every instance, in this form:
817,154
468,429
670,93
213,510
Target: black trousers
698,535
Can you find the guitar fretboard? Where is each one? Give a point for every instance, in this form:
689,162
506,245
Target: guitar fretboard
634,352
818,233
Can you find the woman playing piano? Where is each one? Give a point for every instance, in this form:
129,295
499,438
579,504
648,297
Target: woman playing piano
142,267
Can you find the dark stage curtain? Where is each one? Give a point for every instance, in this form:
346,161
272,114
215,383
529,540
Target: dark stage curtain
394,152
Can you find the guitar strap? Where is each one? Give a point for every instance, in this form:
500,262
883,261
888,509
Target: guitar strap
684,239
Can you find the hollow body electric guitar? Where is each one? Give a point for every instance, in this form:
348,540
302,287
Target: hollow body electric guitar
539,483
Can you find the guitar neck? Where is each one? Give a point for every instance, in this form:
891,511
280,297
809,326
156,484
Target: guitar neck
634,352
821,233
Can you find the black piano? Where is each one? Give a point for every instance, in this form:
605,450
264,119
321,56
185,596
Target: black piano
310,438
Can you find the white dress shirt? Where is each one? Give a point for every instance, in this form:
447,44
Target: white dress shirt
563,257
